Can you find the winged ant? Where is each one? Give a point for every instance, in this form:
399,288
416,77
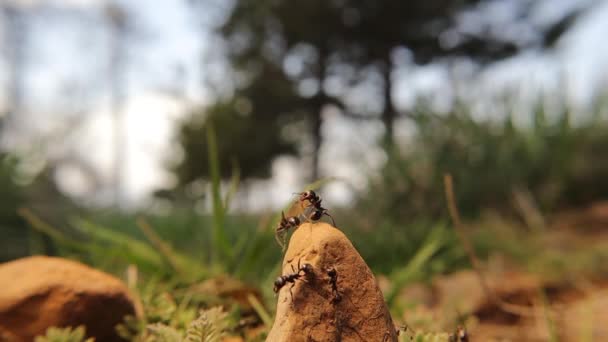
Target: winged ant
306,207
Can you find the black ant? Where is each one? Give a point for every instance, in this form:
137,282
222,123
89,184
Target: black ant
300,211
333,280
315,201
284,225
281,281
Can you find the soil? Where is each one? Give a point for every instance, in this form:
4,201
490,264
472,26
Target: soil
568,307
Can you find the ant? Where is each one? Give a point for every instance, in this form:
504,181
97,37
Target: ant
292,277
299,211
315,201
333,280
284,225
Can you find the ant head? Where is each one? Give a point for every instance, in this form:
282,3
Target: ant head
307,195
294,221
306,268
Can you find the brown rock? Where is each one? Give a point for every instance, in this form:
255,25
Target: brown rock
40,292
316,313
7,336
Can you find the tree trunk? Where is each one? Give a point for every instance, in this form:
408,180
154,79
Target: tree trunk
317,119
388,115
117,21
317,139
15,35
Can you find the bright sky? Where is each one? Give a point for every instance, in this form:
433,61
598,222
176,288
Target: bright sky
69,66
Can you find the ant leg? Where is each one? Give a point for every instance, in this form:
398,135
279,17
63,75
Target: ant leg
331,217
333,281
293,270
305,216
290,292
337,297
310,214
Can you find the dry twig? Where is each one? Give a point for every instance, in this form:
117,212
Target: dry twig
519,310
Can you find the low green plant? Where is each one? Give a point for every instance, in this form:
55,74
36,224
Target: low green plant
69,334
399,226
208,245
211,325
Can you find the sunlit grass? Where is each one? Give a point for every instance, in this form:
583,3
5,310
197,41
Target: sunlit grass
400,226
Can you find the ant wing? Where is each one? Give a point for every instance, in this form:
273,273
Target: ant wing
296,208
280,237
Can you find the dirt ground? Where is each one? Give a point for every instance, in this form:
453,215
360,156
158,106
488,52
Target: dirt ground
528,305
559,312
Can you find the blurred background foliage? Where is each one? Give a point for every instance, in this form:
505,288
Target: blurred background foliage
286,68
556,162
286,71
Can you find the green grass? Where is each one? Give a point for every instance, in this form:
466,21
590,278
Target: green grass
400,226
405,253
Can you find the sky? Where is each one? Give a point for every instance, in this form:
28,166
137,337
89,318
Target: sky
66,86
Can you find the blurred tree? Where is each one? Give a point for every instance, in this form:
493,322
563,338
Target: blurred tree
252,138
117,19
123,30
14,29
558,164
22,189
12,228
292,60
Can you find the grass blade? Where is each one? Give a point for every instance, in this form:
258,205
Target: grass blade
133,250
163,248
414,267
260,310
234,184
38,224
220,246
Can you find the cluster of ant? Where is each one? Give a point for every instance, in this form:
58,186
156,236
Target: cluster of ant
306,270
306,208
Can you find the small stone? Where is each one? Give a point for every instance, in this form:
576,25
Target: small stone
41,292
313,309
